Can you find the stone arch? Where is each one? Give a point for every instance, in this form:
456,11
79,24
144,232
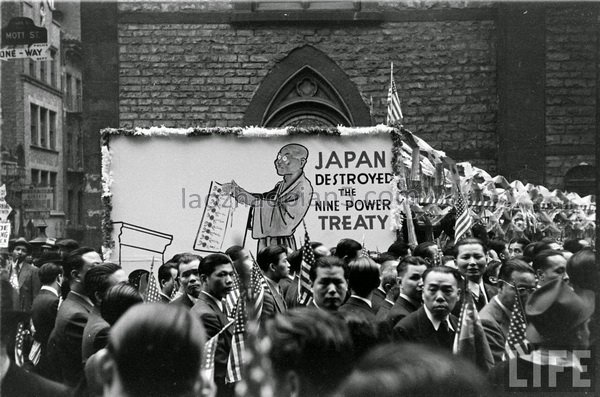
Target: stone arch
307,88
581,179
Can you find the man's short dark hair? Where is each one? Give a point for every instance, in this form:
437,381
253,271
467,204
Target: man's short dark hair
467,241
398,249
413,370
157,350
209,263
523,241
540,261
347,248
445,270
269,254
363,276
96,279
582,270
187,258
497,245
295,261
117,300
48,273
326,262
573,245
410,260
385,257
514,265
422,250
314,344
74,261
164,272
234,252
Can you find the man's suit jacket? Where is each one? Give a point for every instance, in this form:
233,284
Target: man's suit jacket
377,299
402,308
43,316
417,328
95,335
29,285
20,383
273,303
214,320
183,299
384,310
495,324
164,299
357,306
490,292
66,339
290,295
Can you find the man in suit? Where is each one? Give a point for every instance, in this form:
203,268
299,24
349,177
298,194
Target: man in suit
273,262
64,345
517,278
471,262
97,281
549,265
167,279
410,272
363,278
22,275
189,279
216,272
433,324
289,284
14,380
329,285
389,282
386,262
45,307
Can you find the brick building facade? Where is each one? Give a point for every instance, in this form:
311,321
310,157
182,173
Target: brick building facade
510,87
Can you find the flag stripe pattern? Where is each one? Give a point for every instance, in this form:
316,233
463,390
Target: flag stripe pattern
232,296
308,260
152,292
394,112
258,284
463,218
235,362
516,344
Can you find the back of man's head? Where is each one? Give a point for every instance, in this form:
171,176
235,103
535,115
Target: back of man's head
314,345
412,370
117,300
234,252
582,270
75,261
295,261
97,280
156,351
398,249
541,262
423,250
49,272
164,272
347,249
363,276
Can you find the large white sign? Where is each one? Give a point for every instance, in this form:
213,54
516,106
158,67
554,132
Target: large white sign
339,186
37,52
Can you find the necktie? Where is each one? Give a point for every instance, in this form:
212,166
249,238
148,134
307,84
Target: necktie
446,336
14,277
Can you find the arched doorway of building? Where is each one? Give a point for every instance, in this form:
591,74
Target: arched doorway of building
307,89
581,179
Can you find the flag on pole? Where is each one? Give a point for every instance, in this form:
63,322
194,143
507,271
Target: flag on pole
394,112
152,293
463,218
469,340
308,260
208,355
516,344
232,296
236,354
258,284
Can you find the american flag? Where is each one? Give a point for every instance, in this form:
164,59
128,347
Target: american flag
258,285
394,112
516,344
208,355
308,260
22,332
258,372
232,296
235,362
463,218
152,292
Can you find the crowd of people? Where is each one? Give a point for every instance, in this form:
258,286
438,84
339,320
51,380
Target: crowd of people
386,324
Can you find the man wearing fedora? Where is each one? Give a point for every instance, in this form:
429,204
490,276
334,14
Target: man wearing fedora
560,360
22,275
15,381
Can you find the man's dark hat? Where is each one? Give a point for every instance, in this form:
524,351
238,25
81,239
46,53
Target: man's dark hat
48,257
553,310
19,241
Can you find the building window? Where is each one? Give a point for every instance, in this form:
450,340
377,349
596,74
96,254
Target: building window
52,183
69,91
52,130
32,68
78,104
79,207
43,178
43,72
53,66
33,110
70,207
35,177
43,127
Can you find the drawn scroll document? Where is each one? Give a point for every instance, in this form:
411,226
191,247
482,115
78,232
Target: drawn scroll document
216,231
